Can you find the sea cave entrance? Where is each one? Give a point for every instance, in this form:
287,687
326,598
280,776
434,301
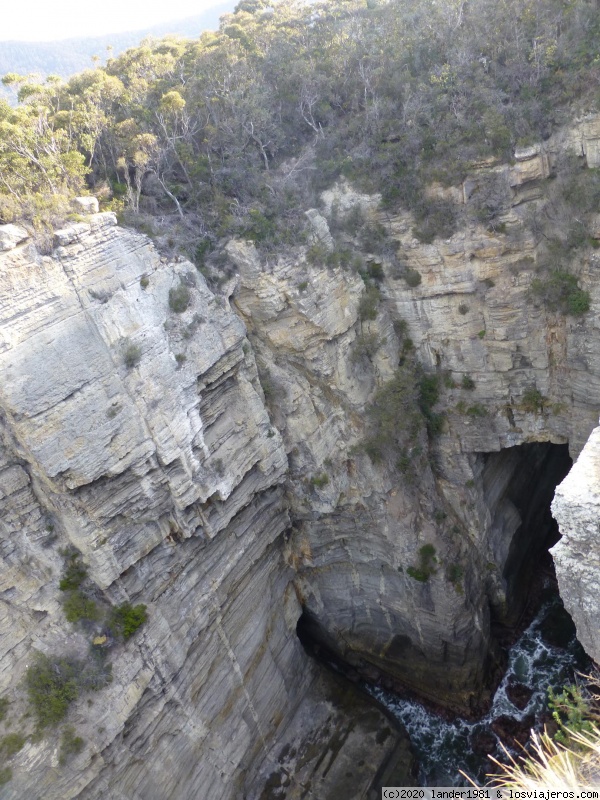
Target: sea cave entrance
518,485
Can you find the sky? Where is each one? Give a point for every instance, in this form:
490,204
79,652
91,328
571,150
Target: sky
48,20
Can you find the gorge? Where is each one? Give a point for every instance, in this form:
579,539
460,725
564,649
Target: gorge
206,458
299,395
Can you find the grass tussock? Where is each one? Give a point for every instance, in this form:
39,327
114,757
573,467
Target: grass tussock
553,765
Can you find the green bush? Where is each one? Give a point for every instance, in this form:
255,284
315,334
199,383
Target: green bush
426,566
74,574
77,607
144,281
467,382
11,744
533,400
412,277
463,309
570,711
4,704
429,389
5,775
70,744
51,684
477,410
126,619
559,292
179,298
369,303
365,346
131,356
394,415
320,481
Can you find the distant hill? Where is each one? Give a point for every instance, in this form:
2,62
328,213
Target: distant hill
68,56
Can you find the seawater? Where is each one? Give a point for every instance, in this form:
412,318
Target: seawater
443,748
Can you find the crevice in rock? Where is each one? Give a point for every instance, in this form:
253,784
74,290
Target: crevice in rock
518,485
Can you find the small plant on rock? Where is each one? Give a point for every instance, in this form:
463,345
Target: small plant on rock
533,400
126,619
412,278
131,356
11,744
75,573
179,298
426,567
70,744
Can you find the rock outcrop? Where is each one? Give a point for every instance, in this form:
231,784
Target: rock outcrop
576,506
205,455
133,428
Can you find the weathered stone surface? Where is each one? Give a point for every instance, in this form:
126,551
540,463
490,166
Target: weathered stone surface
11,236
320,229
86,205
167,474
576,507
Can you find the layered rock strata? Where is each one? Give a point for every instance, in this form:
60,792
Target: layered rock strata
474,322
133,428
576,506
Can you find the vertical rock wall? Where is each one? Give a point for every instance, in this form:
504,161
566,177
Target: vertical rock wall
576,507
137,434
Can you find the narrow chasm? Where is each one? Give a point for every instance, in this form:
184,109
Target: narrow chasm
518,485
528,622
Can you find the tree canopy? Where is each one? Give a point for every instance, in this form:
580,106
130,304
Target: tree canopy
235,131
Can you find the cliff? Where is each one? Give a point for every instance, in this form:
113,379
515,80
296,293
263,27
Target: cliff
138,435
205,454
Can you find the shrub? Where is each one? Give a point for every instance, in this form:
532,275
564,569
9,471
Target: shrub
400,327
5,775
70,744
77,607
560,292
11,744
467,382
179,298
463,309
52,686
319,481
303,286
449,381
428,397
144,281
369,302
180,358
365,346
412,277
394,415
533,400
126,619
317,254
477,410
74,575
426,567
131,356
569,711
4,703
455,575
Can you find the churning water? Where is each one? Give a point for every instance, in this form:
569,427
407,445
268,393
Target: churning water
443,748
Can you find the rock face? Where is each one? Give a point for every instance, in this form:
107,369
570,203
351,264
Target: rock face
359,526
204,454
576,507
138,434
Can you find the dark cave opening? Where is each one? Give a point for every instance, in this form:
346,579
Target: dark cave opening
518,486
536,636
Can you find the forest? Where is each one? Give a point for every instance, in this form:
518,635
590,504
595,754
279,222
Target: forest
237,132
